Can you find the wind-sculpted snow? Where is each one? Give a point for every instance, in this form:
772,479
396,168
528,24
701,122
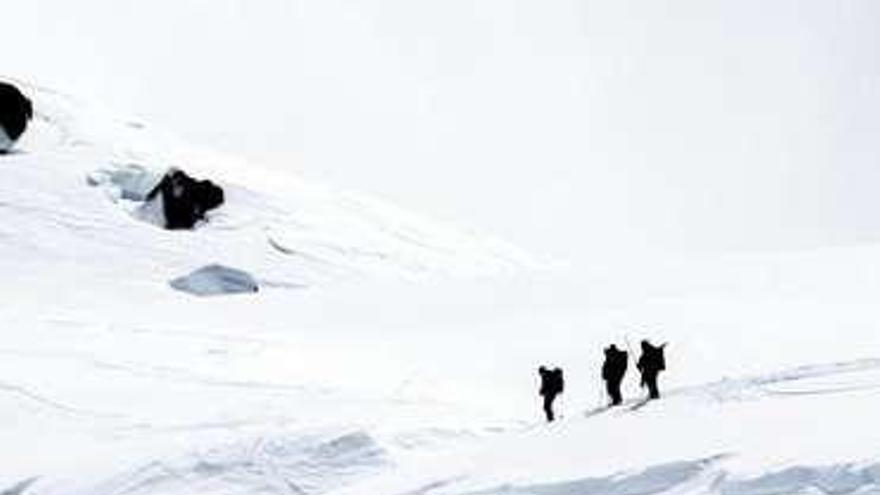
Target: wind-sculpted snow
826,379
833,479
131,181
653,480
707,476
310,464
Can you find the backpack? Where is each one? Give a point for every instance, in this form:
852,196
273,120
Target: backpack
559,382
661,358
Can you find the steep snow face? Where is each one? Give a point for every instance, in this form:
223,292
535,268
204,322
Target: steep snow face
284,230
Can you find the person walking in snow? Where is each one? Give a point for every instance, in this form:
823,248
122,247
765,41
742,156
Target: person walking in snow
613,370
650,364
552,384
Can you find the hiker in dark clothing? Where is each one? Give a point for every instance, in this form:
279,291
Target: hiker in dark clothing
552,385
613,370
650,364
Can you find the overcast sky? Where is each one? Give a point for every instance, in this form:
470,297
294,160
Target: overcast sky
580,128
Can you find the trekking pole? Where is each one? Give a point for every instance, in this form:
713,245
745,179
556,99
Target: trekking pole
632,355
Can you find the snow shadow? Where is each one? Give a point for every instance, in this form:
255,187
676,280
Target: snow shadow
656,479
215,280
835,479
20,487
705,476
129,186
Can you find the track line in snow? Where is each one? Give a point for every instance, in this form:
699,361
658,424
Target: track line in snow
28,394
757,386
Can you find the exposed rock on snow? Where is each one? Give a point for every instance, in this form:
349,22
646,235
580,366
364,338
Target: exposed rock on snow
15,112
171,200
213,280
186,200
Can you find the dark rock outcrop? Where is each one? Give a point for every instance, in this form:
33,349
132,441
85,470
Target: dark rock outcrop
186,200
16,111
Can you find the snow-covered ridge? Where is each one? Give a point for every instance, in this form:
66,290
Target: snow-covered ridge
281,228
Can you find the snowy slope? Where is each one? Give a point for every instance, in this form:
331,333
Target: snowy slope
806,430
287,231
104,363
392,355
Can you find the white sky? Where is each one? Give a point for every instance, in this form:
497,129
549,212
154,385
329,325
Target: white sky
572,127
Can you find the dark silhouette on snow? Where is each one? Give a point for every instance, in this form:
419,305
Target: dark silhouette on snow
552,385
613,370
16,111
186,200
651,363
